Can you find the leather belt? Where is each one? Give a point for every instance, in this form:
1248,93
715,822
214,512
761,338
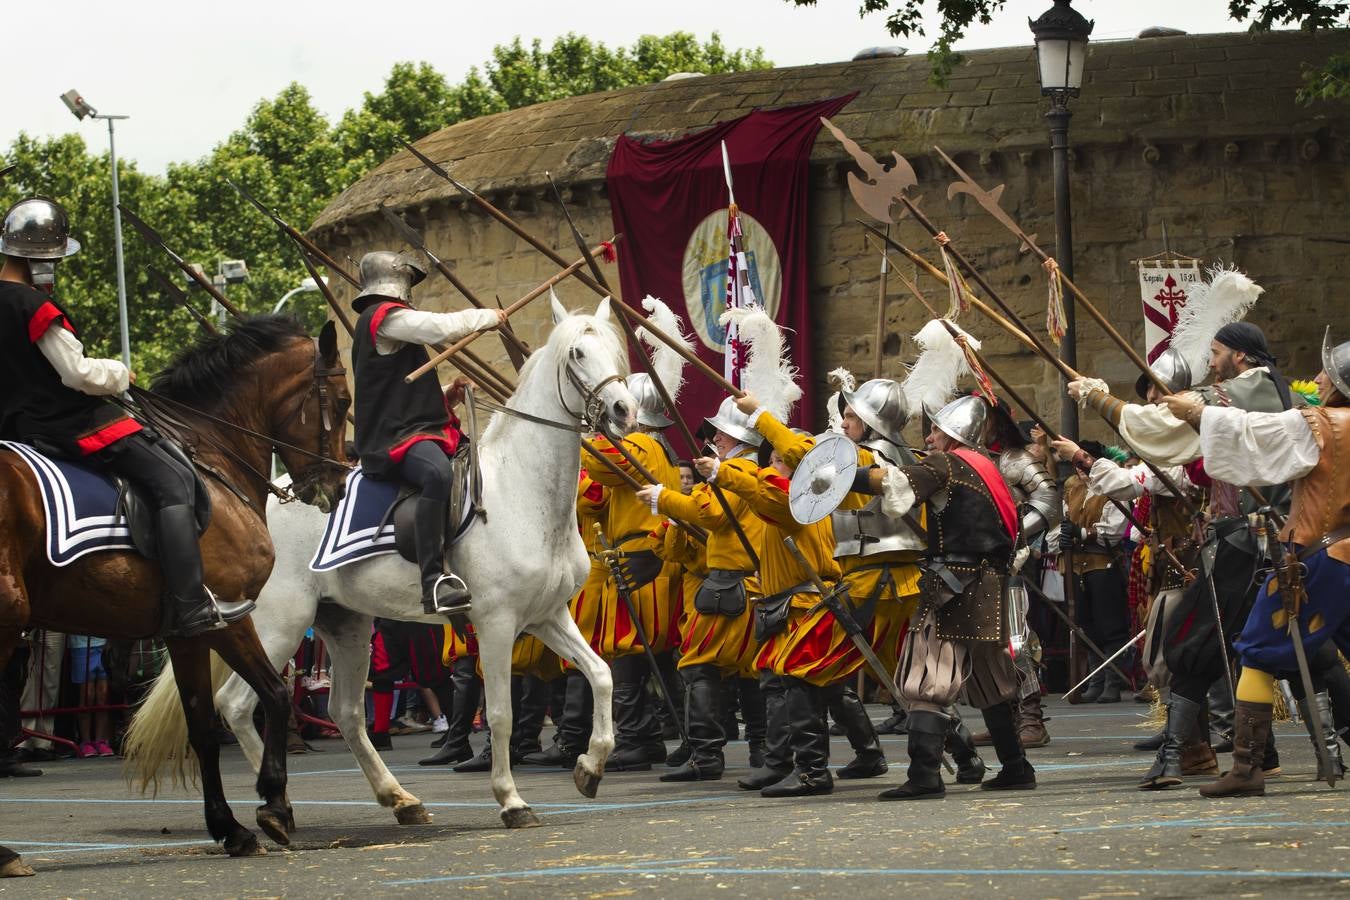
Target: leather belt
1325,541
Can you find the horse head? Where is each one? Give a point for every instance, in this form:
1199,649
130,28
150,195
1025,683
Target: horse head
591,367
310,434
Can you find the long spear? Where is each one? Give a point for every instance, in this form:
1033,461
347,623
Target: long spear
296,236
176,294
327,292
153,238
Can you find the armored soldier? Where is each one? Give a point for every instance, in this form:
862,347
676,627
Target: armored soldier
407,431
57,400
958,638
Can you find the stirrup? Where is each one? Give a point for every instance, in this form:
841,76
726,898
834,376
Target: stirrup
449,596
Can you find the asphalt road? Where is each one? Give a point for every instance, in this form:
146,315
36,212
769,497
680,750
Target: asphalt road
1085,832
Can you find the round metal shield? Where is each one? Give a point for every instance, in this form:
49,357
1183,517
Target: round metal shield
823,478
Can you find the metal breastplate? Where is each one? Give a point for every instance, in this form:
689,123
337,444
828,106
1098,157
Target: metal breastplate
868,531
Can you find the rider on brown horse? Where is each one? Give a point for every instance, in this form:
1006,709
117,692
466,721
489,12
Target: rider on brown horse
56,402
407,430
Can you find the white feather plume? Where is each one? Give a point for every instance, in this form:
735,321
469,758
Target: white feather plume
668,365
1227,297
841,379
768,374
941,364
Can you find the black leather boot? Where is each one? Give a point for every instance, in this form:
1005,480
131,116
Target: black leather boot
1151,743
1016,773
530,696
729,702
960,743
468,691
1332,739
809,739
573,725
1094,687
755,714
703,692
927,733
895,722
634,747
480,763
777,763
848,710
1183,717
180,561
442,594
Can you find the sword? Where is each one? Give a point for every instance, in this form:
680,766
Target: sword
1109,660
1208,553
1076,629
620,574
830,599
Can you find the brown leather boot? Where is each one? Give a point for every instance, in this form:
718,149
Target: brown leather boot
1197,758
1031,722
1251,726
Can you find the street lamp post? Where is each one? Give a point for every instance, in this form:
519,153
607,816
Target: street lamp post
1061,49
306,286
80,109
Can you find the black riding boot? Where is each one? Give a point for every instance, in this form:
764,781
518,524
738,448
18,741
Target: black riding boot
960,743
1017,773
530,707
848,710
703,690
442,594
777,751
755,714
895,722
573,723
730,700
809,739
635,745
927,732
468,691
1183,719
180,560
1332,739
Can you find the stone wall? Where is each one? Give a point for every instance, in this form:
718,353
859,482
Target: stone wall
1197,135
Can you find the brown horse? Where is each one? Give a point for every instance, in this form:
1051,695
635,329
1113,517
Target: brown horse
233,399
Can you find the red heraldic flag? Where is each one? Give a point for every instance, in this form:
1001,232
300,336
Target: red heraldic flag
670,203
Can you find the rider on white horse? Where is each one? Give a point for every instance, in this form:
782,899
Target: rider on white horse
407,431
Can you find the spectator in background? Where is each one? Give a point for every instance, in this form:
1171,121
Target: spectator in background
88,672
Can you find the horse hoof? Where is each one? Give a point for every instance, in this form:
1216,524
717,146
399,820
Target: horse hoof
523,817
274,825
245,844
413,814
16,868
587,782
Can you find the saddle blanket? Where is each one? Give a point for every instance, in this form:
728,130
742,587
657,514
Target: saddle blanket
354,529
80,504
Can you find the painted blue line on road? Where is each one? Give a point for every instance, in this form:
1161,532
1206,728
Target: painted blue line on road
51,848
654,865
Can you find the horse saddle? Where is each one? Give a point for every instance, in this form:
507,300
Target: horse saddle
459,514
138,512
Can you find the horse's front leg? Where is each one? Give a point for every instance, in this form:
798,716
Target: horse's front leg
562,636
192,675
494,655
346,636
241,650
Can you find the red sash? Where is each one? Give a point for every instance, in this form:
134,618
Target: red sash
998,488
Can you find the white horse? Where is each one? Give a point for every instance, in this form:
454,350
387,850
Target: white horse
523,564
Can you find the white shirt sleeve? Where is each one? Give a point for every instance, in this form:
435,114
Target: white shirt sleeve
99,377
1157,435
414,326
1251,448
1111,527
1114,480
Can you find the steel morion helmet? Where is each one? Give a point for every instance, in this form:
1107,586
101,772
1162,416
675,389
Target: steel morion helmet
732,421
387,275
964,419
651,411
1172,370
881,404
37,228
1336,362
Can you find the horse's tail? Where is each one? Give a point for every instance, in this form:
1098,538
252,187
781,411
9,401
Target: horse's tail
156,742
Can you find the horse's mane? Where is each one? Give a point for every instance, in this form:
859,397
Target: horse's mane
203,372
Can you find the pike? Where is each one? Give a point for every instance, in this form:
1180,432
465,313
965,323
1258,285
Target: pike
645,363
515,349
176,294
152,237
8,170
322,284
619,572
829,598
990,201
1109,662
304,242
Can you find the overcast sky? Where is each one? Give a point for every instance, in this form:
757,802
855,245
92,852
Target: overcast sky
188,73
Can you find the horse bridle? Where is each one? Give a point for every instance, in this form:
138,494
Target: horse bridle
319,384
592,410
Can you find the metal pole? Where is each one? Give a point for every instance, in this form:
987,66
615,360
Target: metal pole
1068,348
117,249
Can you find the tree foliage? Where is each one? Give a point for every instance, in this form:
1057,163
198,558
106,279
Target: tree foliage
292,159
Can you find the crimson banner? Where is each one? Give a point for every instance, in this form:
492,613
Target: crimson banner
669,200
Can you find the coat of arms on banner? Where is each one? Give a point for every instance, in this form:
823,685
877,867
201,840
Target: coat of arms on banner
705,273
1165,284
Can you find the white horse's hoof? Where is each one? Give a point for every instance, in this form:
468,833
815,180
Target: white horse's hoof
587,782
521,817
412,814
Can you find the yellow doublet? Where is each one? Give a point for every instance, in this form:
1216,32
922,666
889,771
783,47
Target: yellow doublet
632,527
724,641
585,606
